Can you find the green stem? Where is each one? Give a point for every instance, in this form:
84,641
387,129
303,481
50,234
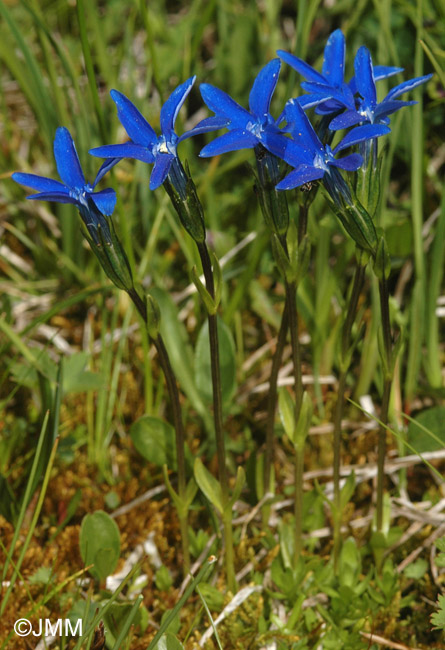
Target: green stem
387,383
272,398
173,392
339,407
291,301
299,468
218,419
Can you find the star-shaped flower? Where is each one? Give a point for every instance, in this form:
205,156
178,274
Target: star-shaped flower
367,109
328,90
312,159
144,144
74,188
247,128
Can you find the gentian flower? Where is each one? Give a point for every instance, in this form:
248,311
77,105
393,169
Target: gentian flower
328,90
247,128
95,208
367,110
313,160
144,144
73,188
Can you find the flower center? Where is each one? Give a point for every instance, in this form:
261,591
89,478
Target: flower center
164,145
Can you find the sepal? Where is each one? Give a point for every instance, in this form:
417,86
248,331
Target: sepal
153,316
108,249
182,192
382,260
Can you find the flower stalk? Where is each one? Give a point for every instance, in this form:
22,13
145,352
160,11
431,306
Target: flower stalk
218,418
345,358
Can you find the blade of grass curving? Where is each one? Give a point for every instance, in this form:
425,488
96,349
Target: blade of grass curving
66,62
399,438
435,63
25,351
201,575
81,16
128,621
423,428
143,6
209,616
176,341
32,82
32,525
102,610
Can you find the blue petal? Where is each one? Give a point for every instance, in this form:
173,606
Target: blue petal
334,59
343,94
224,106
105,168
360,134
160,170
302,131
301,66
171,108
67,160
406,86
105,200
208,124
389,107
296,155
40,183
309,101
276,143
231,141
365,77
303,174
263,88
350,163
133,121
384,71
380,72
125,150
331,106
58,197
346,120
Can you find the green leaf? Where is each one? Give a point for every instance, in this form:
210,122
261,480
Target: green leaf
78,380
154,439
169,642
347,491
438,618
286,408
100,543
163,578
416,569
427,431
227,361
176,341
350,563
209,485
239,484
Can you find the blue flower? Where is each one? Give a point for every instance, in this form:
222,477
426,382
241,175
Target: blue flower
247,128
367,110
312,159
74,189
328,90
144,144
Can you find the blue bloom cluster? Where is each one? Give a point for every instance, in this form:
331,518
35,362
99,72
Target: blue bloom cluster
291,137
